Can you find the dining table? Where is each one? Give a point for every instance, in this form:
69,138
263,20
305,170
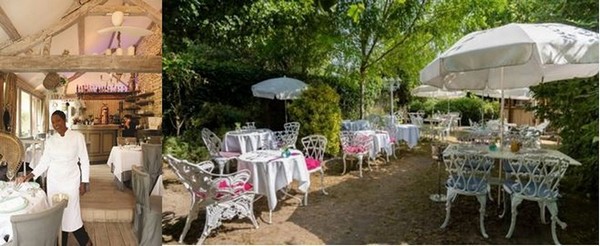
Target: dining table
248,140
381,142
409,133
120,161
504,153
25,198
271,172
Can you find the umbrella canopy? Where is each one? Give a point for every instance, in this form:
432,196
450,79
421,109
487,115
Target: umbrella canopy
430,91
282,88
515,56
518,94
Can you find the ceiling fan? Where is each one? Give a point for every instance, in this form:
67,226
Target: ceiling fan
117,21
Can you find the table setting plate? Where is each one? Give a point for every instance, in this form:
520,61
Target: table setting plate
13,204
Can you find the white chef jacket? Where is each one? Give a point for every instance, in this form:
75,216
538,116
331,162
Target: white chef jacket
60,157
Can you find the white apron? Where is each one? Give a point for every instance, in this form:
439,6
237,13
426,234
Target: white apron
60,159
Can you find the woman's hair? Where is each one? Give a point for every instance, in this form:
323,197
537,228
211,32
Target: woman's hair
60,114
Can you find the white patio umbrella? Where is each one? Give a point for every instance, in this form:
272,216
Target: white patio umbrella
515,56
282,88
518,94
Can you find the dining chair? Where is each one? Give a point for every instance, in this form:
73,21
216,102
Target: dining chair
185,175
314,150
355,146
42,228
285,139
152,161
214,146
147,223
535,177
293,128
468,175
222,196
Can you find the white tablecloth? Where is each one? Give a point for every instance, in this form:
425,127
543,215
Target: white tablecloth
381,140
247,140
36,202
409,133
121,159
357,125
270,172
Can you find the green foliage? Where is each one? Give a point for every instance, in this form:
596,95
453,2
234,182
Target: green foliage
572,108
185,148
470,107
220,118
318,112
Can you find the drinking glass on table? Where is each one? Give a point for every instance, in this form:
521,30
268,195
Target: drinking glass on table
10,174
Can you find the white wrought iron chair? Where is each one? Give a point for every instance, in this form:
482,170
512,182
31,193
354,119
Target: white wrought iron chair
183,174
222,196
468,174
355,146
314,150
215,145
442,131
293,128
285,138
535,178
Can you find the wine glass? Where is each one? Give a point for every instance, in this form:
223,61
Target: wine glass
10,174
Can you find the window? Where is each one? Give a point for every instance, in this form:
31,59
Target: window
29,111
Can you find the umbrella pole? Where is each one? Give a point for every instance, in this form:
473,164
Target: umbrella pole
285,109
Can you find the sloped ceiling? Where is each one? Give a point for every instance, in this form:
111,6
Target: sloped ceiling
29,17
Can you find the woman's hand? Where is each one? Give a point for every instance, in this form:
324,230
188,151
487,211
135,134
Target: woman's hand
81,189
25,178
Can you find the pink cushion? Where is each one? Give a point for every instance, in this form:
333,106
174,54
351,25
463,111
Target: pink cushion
354,149
312,163
229,154
224,185
392,139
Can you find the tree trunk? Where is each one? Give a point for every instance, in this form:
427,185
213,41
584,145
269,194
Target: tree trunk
362,93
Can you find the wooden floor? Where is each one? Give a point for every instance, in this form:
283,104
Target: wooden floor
106,211
107,233
105,202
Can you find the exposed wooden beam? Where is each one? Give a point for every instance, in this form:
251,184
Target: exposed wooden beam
109,9
8,26
75,76
152,13
85,63
81,35
12,48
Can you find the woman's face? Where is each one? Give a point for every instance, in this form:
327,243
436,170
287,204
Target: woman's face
59,124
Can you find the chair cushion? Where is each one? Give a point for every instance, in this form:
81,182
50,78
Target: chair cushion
529,189
229,154
473,184
354,149
224,185
392,139
312,163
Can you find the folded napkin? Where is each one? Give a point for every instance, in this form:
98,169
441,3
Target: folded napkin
13,204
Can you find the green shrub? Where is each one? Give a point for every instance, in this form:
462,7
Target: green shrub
183,149
318,112
470,107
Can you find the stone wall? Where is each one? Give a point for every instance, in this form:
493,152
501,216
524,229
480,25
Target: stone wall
152,82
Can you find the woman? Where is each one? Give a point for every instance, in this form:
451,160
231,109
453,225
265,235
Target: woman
129,127
61,153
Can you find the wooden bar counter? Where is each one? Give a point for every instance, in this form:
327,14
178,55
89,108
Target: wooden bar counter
100,140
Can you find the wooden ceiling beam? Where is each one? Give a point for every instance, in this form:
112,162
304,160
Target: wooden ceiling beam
82,63
8,26
153,14
103,10
11,48
81,35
